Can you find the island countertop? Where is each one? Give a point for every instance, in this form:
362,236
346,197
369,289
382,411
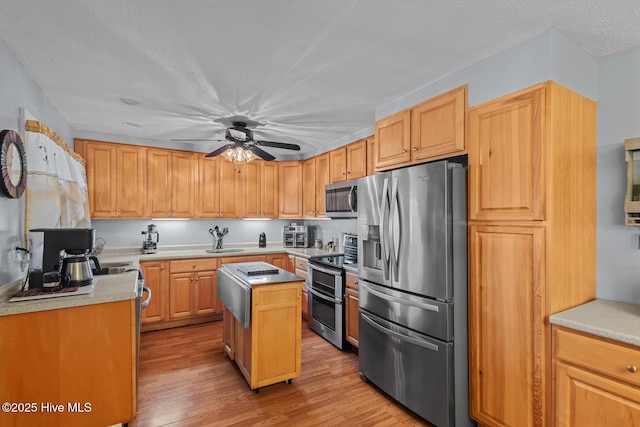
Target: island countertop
281,276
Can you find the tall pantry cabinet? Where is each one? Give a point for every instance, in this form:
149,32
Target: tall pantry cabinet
532,210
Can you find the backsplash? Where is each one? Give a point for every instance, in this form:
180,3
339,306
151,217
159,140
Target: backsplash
120,233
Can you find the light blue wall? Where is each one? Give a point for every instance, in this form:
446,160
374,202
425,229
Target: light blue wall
618,119
18,89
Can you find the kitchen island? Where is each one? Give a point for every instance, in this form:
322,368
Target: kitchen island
262,321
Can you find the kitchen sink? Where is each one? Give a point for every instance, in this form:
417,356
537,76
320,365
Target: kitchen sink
217,251
115,267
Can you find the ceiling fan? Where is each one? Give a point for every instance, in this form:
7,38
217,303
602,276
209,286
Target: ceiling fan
243,146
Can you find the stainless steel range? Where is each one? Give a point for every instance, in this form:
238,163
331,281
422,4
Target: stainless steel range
325,285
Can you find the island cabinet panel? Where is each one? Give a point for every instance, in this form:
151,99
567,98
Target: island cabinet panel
270,349
81,354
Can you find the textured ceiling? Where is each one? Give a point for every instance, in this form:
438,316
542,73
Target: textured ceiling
309,71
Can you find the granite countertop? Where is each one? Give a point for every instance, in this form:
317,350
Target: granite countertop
608,319
109,288
117,287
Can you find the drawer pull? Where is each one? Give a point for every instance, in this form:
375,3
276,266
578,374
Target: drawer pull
632,368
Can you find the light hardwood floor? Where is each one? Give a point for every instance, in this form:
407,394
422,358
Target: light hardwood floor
185,380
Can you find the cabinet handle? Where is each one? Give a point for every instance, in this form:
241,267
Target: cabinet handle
162,268
632,368
197,279
414,149
404,150
193,266
191,280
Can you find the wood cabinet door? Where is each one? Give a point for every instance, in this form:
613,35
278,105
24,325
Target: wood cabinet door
322,180
506,325
156,279
231,191
250,177
587,399
393,140
131,181
309,188
351,317
279,260
338,165
184,178
437,126
180,295
356,159
102,173
205,292
269,190
371,165
506,158
290,176
209,187
159,183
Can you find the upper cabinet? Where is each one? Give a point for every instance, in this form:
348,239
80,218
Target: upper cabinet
260,189
505,154
220,188
172,183
309,188
116,178
428,131
290,176
348,162
371,146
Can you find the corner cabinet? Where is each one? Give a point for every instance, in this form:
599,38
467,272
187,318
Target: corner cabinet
597,381
428,131
531,243
116,178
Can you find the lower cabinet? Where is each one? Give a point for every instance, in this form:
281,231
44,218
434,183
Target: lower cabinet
80,361
182,292
270,349
351,309
597,383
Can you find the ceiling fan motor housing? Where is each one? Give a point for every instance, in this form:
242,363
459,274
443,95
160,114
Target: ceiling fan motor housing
239,133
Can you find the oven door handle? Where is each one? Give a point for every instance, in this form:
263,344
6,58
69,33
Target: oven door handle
324,270
146,302
402,337
324,297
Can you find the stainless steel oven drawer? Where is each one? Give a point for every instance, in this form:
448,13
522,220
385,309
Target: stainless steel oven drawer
427,316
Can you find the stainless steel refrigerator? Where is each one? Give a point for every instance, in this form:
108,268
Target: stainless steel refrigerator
412,235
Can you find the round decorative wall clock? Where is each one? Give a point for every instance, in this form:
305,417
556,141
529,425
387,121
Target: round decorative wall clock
13,164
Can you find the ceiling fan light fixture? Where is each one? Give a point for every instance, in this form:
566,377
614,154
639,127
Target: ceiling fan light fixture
238,155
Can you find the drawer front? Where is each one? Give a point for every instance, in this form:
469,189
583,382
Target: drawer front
301,273
245,258
351,281
301,264
189,265
614,360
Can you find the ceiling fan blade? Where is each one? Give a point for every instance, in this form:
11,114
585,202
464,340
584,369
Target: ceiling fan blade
198,140
261,153
283,145
219,150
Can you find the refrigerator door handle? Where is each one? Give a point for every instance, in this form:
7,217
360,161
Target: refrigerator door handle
395,228
387,297
384,230
397,335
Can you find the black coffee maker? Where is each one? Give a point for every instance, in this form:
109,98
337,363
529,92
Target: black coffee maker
46,244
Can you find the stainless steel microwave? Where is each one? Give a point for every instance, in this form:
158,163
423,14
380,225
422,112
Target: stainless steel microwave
341,200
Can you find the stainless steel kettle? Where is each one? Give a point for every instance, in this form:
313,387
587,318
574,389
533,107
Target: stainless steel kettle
75,269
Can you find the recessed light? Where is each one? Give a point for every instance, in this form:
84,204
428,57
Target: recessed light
129,101
132,124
